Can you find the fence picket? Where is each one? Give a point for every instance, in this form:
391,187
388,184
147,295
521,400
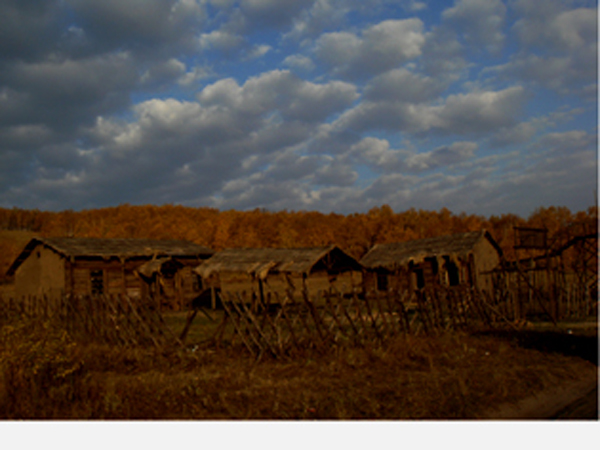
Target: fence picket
311,323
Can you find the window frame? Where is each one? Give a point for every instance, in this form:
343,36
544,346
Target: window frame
97,281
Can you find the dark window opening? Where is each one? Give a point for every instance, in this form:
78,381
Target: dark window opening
453,274
420,278
382,282
434,265
197,284
97,279
168,272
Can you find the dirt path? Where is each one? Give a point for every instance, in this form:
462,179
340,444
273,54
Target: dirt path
573,401
585,408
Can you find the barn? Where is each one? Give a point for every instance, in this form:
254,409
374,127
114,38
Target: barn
93,266
464,259
276,270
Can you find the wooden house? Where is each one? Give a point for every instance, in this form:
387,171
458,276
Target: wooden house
260,271
453,260
92,266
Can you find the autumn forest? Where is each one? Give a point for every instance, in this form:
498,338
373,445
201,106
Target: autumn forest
354,233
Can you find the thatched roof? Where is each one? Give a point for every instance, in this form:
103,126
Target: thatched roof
392,256
113,248
260,262
155,265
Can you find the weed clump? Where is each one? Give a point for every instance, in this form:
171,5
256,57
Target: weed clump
42,370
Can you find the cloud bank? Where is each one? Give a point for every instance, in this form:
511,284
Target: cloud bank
482,106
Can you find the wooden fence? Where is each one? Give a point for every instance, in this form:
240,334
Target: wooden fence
297,320
111,319
550,293
283,324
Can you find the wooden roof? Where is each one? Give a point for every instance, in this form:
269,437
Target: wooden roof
391,256
261,261
155,265
113,248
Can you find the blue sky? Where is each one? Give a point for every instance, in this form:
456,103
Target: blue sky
479,106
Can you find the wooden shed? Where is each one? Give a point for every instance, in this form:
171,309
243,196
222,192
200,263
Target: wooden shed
276,270
452,260
92,266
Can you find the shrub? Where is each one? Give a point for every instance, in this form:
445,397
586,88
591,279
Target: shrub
40,370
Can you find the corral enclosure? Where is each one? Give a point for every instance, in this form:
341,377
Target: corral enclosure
557,283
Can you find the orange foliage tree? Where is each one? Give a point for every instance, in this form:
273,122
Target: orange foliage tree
355,233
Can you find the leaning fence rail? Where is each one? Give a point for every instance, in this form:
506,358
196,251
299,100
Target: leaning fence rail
282,324
111,319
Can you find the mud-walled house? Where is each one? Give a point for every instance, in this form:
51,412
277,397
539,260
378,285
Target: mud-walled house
161,269
465,259
261,271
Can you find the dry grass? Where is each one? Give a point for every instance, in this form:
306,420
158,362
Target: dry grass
44,374
202,328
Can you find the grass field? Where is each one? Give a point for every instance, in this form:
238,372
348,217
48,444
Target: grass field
45,374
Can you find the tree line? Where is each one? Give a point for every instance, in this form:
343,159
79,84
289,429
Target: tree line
355,233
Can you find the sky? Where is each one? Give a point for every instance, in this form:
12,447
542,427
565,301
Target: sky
485,107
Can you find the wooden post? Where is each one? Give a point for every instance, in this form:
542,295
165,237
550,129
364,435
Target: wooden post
236,321
261,293
333,313
286,319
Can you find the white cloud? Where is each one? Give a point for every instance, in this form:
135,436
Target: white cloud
24,136
163,72
562,168
194,75
443,56
233,135
443,156
560,47
180,101
461,114
379,156
414,6
573,29
151,23
565,143
547,24
299,62
478,112
479,21
402,85
64,93
380,47
258,51
221,40
282,91
569,74
322,15
335,172
273,13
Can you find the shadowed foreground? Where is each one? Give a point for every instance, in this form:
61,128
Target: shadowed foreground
45,374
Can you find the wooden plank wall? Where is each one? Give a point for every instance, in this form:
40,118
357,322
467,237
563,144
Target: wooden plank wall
236,282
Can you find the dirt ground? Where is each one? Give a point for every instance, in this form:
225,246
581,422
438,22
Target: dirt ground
575,400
